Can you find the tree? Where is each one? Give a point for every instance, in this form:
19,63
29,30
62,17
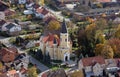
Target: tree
99,37
117,33
115,44
90,31
1,65
32,72
107,52
101,24
77,74
104,50
54,25
98,49
39,54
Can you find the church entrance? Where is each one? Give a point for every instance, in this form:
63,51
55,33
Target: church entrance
66,58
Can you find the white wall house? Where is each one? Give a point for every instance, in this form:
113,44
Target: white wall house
22,1
2,16
11,28
92,64
42,12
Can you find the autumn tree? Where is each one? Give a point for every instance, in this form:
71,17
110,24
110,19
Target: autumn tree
115,44
107,52
53,25
104,50
101,24
117,33
90,31
77,74
1,65
98,49
99,37
32,72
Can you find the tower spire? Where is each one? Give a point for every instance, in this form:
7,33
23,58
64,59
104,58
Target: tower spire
63,27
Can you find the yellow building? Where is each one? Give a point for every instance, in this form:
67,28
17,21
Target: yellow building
58,47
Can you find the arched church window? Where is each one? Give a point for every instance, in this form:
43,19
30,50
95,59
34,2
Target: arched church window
65,40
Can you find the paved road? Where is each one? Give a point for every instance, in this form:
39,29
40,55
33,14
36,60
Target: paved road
39,65
57,14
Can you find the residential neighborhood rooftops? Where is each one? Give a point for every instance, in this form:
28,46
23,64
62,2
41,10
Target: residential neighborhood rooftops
89,61
42,10
3,6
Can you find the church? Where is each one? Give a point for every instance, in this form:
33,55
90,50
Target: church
59,47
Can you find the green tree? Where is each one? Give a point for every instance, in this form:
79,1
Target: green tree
32,72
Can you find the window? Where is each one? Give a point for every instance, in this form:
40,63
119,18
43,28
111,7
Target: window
65,40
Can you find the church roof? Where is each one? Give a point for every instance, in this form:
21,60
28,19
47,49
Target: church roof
50,39
64,27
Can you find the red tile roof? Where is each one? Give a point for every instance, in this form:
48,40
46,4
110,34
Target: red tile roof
89,61
42,10
9,12
104,0
50,39
13,49
4,51
44,75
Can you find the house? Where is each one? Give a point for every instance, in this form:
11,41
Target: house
116,20
8,54
110,63
42,12
2,22
93,65
22,1
9,12
3,6
25,25
55,73
13,73
59,47
2,16
66,1
23,72
11,28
